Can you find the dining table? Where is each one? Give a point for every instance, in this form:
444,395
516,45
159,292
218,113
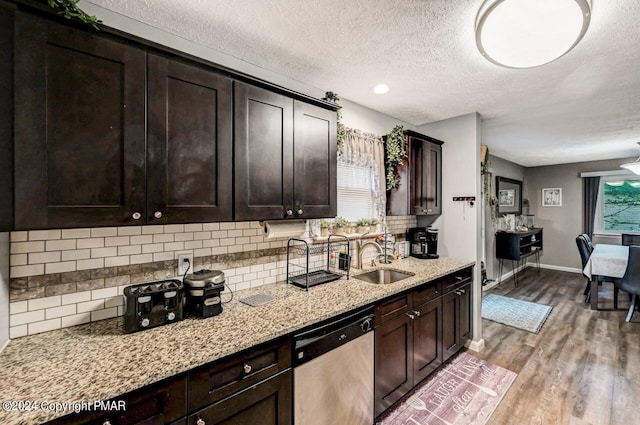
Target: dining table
608,262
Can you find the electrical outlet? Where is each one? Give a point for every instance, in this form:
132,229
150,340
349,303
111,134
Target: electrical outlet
185,263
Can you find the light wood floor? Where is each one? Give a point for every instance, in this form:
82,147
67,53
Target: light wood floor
582,368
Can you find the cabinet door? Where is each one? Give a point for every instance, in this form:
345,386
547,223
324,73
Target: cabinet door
263,153
393,361
268,403
432,192
427,335
419,176
451,337
189,143
315,166
79,127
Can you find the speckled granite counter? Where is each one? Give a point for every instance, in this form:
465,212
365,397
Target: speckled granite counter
99,361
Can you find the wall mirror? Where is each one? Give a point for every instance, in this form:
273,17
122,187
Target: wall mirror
509,195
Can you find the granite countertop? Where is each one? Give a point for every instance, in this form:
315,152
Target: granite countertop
98,361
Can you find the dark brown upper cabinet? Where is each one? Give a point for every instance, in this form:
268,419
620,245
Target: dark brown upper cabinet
189,165
420,189
79,127
285,157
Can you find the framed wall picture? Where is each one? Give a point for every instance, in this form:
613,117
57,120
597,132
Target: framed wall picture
552,197
509,194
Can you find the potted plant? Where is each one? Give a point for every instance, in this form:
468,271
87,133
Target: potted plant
324,227
363,226
374,225
339,225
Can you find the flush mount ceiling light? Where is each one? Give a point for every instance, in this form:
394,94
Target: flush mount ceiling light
634,167
381,89
530,33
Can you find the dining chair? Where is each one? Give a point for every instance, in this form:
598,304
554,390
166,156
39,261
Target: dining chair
630,282
585,248
629,239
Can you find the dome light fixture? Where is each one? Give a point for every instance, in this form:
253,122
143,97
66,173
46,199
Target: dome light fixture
634,167
381,88
530,33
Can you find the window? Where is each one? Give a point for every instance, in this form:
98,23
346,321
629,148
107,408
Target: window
356,193
618,207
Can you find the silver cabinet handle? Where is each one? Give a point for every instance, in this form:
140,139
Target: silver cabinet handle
300,211
107,422
289,212
136,215
416,312
411,316
200,422
429,210
247,368
157,214
460,278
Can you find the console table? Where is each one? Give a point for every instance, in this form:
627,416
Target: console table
517,246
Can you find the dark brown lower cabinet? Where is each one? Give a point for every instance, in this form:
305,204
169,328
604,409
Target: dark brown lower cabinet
427,334
456,319
266,403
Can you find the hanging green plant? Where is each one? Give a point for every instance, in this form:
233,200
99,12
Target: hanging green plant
396,153
342,132
69,9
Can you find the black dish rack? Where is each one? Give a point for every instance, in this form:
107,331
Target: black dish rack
311,265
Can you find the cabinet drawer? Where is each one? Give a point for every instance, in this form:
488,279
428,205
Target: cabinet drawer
451,282
426,293
221,379
393,307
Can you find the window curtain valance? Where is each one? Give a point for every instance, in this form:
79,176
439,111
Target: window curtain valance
367,149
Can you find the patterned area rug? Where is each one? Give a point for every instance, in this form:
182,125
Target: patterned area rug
520,314
464,392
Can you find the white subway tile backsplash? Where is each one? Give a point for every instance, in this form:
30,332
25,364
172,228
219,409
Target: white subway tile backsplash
116,241
143,239
234,248
174,246
60,245
18,307
178,237
193,244
211,243
76,254
47,325
151,248
24,318
129,230
201,252
227,226
44,257
22,271
65,310
234,233
97,294
76,297
141,259
165,237
26,247
76,233
152,230
249,247
116,261
211,226
104,231
40,303
95,263
43,235
19,236
130,250
90,306
219,250
18,331
114,301
76,319
195,227
228,242
18,259
173,228
107,313
111,251
62,267
163,256
90,243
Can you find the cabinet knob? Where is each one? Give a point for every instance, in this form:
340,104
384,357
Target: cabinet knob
460,278
429,210
200,422
157,214
289,212
411,316
107,422
300,212
247,368
416,312
136,215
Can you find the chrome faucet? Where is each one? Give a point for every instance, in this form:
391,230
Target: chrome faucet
362,246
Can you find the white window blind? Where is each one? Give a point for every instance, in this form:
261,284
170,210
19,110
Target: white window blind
356,196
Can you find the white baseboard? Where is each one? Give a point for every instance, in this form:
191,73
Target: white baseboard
559,268
476,346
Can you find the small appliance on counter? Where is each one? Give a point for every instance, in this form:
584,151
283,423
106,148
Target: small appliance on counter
152,304
203,292
423,242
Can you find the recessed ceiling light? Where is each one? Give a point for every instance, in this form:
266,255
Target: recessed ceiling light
530,33
381,89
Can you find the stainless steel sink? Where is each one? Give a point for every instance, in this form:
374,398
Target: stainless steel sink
383,276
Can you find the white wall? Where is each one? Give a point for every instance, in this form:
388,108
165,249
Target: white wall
4,289
459,223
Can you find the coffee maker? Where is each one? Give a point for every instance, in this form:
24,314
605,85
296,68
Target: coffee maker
423,242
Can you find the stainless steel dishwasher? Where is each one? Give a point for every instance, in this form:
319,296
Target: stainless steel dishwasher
333,372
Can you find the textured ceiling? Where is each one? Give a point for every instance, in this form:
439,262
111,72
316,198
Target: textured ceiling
584,106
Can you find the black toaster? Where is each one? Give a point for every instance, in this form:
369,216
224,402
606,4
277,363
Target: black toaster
203,290
152,304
